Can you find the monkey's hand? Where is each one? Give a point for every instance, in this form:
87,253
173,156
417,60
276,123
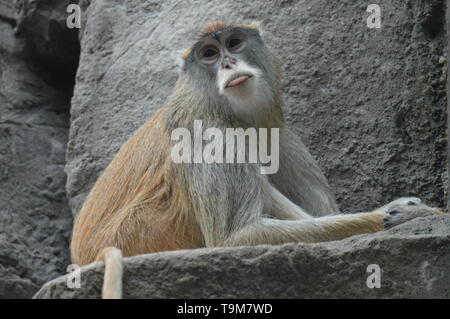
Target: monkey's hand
405,209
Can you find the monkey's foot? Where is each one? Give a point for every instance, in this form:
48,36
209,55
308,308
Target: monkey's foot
403,201
403,211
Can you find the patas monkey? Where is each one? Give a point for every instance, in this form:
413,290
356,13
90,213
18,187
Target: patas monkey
144,202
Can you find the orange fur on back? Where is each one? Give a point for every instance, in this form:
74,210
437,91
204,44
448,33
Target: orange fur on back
136,204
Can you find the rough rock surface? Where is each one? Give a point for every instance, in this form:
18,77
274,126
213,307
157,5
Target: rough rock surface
413,259
369,103
49,42
35,219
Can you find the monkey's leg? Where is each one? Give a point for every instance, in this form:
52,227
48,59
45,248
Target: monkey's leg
275,231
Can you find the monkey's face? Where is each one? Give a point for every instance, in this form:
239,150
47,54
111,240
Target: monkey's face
231,61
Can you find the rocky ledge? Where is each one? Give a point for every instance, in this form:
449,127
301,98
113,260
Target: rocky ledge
413,261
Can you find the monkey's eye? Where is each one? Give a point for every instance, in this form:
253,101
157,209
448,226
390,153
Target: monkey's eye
209,53
235,43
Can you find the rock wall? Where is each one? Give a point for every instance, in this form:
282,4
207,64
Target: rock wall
369,103
35,219
448,102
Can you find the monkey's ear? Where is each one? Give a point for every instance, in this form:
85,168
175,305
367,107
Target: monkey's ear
258,26
179,58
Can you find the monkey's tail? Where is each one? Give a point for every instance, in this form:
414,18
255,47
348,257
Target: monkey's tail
112,282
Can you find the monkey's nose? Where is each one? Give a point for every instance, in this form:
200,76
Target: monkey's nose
228,62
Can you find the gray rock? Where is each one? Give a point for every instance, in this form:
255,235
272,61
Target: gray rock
369,103
49,42
35,220
413,259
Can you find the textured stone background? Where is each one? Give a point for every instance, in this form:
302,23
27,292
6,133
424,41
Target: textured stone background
35,219
369,104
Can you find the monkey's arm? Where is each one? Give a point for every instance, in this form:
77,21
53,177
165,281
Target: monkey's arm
300,179
283,208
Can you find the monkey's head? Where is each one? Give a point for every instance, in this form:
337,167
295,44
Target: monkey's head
230,61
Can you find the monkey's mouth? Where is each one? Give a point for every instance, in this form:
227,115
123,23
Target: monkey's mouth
238,79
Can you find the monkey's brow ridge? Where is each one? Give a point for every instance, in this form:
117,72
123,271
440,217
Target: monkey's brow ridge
214,30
